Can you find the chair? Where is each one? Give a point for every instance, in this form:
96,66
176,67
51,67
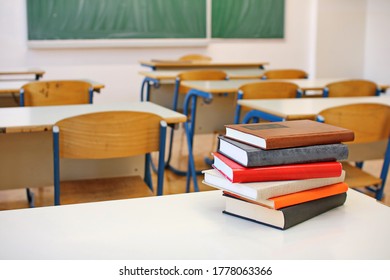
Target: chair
371,124
195,57
265,90
61,92
191,75
56,92
285,74
104,135
348,88
195,75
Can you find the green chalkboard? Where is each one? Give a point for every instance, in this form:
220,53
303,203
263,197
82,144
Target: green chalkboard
115,19
140,19
247,18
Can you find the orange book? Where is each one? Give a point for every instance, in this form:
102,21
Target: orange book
282,201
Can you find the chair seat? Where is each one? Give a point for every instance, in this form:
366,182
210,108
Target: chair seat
93,190
358,178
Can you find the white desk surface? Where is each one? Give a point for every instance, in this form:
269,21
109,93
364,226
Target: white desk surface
20,71
254,73
234,84
306,106
25,119
189,227
15,86
172,64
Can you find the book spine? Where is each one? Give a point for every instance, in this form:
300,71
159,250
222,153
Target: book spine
296,186
296,214
308,195
299,141
308,154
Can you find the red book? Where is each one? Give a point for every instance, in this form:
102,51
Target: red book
237,173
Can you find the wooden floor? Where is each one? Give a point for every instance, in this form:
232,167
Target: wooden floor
203,146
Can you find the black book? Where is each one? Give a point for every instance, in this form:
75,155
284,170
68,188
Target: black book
283,218
251,156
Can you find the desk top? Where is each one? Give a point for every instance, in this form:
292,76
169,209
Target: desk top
177,64
254,73
41,118
15,86
231,86
21,71
190,227
306,106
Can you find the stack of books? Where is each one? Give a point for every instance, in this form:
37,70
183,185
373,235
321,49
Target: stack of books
282,173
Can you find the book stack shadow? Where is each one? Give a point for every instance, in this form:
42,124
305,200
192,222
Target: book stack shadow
280,174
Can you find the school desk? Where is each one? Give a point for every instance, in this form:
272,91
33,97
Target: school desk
161,64
281,109
158,78
190,227
14,87
21,72
26,144
231,86
224,98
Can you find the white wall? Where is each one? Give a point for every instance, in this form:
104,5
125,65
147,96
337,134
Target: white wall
308,44
340,38
377,44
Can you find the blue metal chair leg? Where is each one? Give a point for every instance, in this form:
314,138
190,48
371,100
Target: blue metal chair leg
30,198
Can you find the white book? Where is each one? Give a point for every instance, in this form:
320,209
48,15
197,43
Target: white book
265,190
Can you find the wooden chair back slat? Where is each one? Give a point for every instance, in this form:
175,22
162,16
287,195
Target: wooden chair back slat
369,121
285,74
371,125
200,75
267,90
109,135
195,57
352,88
48,93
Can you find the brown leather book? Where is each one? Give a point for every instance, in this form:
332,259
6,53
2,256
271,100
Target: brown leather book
286,134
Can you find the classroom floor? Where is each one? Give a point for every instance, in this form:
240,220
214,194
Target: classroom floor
203,146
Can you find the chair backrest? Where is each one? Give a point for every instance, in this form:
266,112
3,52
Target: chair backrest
351,88
369,121
112,134
108,135
195,75
195,57
200,75
61,92
285,74
265,90
371,125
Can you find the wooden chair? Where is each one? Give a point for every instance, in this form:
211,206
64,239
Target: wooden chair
265,90
371,124
285,74
195,57
195,75
56,92
348,88
104,135
191,75
61,92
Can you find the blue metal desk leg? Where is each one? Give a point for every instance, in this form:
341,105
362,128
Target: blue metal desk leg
145,96
189,126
